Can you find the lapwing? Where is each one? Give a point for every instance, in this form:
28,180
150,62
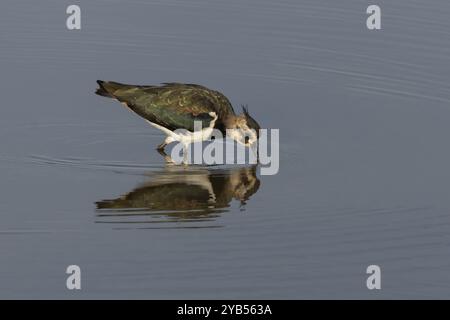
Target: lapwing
173,106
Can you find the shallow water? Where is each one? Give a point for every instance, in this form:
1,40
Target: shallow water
364,176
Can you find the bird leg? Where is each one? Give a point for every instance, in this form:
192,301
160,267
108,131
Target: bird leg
185,153
167,158
164,143
161,146
161,151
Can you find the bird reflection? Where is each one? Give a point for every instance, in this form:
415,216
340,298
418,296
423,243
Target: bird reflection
181,194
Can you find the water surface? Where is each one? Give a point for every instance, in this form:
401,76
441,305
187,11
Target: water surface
364,160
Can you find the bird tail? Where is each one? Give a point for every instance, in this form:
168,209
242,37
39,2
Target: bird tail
107,88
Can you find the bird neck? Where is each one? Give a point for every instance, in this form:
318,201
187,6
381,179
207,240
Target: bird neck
230,121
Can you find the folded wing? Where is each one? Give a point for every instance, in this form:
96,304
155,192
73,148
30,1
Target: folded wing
172,105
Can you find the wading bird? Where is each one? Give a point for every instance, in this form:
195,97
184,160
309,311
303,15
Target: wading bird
176,106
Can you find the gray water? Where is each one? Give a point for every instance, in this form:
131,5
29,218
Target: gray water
364,158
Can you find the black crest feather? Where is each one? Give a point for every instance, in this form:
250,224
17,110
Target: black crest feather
250,121
245,110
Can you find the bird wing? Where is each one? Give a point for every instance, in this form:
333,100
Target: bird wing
172,105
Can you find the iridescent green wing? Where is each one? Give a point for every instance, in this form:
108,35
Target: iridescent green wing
173,105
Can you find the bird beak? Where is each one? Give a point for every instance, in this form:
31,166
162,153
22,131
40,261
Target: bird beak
255,150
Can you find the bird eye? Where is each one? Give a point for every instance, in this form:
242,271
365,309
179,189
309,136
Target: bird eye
246,139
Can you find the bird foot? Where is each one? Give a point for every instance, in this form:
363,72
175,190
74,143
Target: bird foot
168,159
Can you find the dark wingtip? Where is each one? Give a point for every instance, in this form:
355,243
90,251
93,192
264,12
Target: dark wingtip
101,90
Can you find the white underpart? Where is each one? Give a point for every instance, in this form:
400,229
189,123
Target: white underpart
187,137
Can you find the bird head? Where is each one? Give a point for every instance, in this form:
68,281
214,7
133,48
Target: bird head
245,129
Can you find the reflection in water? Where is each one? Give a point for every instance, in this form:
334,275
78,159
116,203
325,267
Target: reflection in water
181,194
